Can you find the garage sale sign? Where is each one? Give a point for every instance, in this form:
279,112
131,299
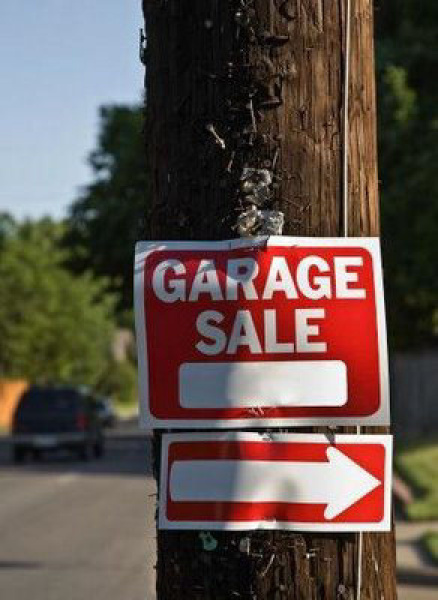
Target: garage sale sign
282,481
261,332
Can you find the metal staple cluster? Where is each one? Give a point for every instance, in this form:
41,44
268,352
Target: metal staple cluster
251,89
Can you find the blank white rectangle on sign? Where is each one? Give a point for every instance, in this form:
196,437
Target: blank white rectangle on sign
263,384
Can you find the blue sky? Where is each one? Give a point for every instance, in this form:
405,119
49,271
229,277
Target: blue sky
60,60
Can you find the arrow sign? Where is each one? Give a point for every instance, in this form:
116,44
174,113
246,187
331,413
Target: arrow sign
246,481
257,481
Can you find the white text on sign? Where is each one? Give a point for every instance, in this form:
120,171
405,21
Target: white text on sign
314,278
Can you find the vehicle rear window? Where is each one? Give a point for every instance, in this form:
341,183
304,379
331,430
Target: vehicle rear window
47,400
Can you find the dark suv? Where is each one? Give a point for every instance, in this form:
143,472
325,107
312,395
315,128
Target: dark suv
52,418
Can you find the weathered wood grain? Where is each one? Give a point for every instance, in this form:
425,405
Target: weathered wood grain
193,49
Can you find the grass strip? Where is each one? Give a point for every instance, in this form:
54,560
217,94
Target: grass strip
417,464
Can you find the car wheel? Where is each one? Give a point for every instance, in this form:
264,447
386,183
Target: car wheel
36,454
98,449
84,452
18,454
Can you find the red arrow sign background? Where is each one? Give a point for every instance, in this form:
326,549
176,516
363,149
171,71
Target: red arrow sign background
352,329
368,456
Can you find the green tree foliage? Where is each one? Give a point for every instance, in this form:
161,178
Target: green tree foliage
7,226
106,221
408,137
121,382
54,326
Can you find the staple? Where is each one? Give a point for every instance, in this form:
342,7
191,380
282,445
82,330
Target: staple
219,141
334,135
245,545
250,140
268,566
231,161
276,155
244,16
142,50
253,118
271,102
273,40
376,565
255,184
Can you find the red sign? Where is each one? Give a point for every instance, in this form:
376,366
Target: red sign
284,481
284,331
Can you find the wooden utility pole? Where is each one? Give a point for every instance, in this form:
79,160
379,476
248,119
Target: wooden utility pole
233,84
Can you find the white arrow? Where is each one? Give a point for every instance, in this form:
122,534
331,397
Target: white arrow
339,483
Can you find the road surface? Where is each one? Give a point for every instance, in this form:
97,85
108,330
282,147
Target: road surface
417,576
85,531
75,531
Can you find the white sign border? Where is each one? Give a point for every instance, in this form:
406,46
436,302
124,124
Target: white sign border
145,249
168,439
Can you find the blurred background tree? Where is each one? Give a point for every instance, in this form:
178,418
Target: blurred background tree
54,326
109,216
407,53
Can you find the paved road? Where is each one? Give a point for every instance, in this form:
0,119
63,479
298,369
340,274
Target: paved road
74,531
418,578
